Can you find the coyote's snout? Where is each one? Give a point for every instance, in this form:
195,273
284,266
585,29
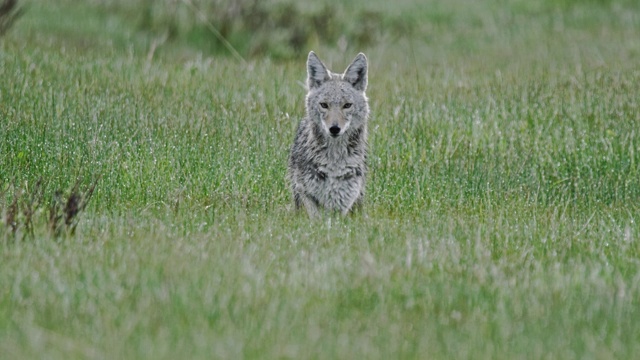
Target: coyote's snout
327,166
334,117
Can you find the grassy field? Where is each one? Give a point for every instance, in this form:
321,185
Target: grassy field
502,207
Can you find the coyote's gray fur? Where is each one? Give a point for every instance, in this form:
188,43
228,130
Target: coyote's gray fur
327,166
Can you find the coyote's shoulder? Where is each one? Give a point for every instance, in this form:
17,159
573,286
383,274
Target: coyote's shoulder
327,165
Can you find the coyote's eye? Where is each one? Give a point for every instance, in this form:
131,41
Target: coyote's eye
324,105
347,105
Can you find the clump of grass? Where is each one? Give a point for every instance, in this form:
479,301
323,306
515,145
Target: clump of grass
68,208
20,212
27,203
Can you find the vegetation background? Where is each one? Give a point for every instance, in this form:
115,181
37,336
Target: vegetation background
501,213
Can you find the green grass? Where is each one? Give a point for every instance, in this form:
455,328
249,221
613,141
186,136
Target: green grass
501,215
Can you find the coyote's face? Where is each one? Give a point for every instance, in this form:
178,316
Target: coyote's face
337,102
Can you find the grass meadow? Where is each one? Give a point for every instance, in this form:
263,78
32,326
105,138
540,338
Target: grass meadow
501,216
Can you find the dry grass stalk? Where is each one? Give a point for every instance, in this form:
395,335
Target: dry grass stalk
64,211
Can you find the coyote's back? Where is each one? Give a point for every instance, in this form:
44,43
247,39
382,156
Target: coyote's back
327,165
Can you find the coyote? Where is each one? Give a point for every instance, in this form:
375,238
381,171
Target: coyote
327,165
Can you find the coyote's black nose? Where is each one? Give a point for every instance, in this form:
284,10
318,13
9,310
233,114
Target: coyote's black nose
334,130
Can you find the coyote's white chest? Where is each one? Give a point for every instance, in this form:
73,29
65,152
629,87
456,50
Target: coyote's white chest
339,182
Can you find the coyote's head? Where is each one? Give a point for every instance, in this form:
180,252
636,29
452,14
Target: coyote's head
337,101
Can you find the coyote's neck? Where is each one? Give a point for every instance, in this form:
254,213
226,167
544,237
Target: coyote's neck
349,145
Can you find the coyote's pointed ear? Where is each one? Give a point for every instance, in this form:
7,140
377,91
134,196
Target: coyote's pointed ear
356,73
316,71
